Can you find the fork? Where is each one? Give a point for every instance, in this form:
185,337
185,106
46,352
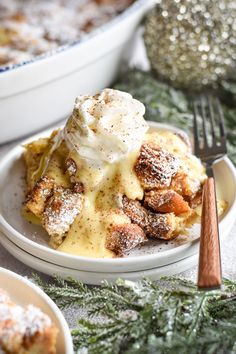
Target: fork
209,150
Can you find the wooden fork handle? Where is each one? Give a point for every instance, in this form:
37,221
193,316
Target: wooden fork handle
209,271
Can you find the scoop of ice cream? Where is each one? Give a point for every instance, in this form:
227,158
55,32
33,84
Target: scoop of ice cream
106,127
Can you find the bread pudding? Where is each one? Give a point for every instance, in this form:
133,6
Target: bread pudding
106,183
30,28
25,330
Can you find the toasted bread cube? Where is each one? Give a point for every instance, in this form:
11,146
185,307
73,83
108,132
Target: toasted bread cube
155,167
135,211
166,201
60,212
39,195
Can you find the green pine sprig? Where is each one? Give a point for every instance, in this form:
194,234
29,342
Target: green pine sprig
170,316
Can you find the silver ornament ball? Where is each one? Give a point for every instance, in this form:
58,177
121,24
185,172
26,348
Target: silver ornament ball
192,43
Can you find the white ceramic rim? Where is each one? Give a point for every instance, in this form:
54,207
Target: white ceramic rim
66,331
94,278
116,264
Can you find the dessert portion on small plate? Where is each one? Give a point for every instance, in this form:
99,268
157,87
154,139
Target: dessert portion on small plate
108,188
104,185
30,322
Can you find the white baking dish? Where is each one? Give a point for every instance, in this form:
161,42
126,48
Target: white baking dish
42,91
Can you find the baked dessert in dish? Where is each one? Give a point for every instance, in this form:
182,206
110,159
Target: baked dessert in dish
30,28
106,183
25,330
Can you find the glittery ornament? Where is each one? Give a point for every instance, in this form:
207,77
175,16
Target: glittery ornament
192,43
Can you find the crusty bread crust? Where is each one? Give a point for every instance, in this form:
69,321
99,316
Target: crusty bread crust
123,238
135,211
166,201
37,198
59,213
155,225
155,167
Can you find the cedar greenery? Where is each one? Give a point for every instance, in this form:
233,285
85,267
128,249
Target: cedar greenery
170,316
168,105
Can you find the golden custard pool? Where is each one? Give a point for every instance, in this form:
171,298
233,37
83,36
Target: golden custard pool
105,184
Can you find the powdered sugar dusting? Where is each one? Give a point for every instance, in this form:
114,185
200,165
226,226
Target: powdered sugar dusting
17,323
31,28
155,166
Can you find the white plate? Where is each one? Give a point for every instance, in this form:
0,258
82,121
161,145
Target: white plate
33,238
95,278
23,292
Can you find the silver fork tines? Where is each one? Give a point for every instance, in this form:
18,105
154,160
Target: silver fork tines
209,147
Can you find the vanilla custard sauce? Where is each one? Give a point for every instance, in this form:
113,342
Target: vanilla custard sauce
102,205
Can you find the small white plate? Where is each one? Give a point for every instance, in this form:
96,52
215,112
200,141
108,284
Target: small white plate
23,292
34,239
95,278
